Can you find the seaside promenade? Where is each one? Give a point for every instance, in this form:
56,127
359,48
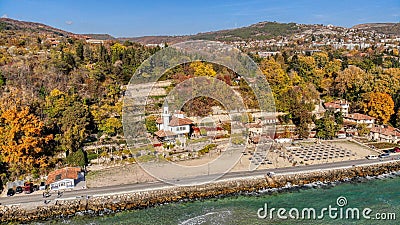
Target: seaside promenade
30,201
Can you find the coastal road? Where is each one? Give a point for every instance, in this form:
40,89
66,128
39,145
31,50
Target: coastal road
21,199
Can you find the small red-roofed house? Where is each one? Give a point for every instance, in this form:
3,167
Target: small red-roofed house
64,178
385,133
358,118
338,106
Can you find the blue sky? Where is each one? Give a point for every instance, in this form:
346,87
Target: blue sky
123,18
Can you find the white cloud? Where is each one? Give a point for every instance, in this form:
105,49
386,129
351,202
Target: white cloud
4,16
69,22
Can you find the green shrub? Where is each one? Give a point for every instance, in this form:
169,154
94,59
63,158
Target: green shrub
76,158
91,156
207,149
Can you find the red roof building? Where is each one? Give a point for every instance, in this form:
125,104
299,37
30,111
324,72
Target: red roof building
338,106
164,133
358,118
171,126
385,133
64,178
175,121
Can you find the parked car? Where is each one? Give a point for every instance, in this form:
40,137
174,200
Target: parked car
28,187
10,192
388,151
19,190
384,155
35,187
42,186
372,157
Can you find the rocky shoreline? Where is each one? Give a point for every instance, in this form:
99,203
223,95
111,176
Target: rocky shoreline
97,206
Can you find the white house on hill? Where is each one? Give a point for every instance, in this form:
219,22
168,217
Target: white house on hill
358,118
172,126
338,106
385,133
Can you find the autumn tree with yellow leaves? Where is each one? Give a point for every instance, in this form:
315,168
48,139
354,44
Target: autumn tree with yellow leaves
379,105
202,69
278,79
349,82
22,140
106,117
68,118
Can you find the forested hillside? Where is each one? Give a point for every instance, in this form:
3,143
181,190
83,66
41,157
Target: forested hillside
59,92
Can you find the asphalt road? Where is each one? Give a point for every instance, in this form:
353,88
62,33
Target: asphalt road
108,190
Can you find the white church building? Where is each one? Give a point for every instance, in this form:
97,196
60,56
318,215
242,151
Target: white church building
172,125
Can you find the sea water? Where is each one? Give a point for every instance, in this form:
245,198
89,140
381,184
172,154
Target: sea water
380,196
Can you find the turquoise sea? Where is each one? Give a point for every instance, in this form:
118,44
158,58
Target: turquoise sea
379,195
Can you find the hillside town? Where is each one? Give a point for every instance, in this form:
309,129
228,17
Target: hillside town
336,93
196,112
314,37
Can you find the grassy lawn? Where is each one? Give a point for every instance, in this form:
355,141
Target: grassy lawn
92,174
383,145
194,141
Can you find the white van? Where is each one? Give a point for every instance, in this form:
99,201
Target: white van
372,157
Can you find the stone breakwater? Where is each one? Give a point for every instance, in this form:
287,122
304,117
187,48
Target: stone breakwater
144,199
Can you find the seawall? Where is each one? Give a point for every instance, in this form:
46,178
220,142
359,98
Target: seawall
144,199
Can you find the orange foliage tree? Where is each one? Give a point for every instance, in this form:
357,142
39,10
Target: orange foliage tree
379,105
22,142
